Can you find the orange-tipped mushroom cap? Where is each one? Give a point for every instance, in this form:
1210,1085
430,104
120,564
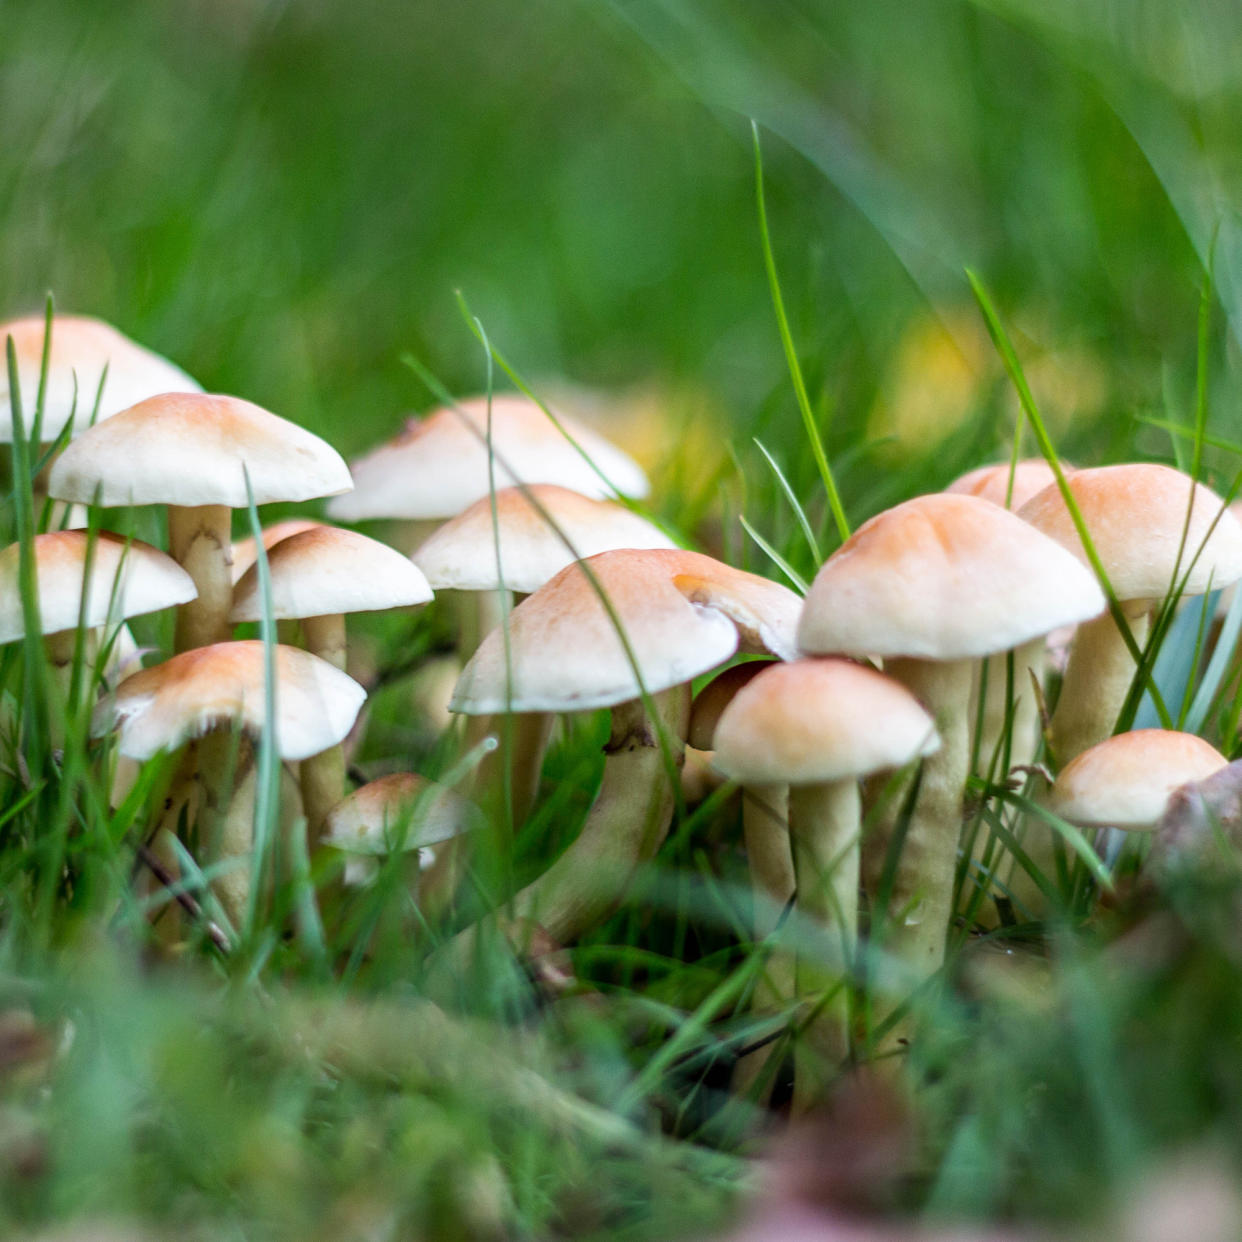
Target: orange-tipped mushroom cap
1126,781
1136,516
190,449
244,549
438,465
326,570
163,707
127,579
820,720
403,811
461,554
1030,476
679,612
82,348
944,577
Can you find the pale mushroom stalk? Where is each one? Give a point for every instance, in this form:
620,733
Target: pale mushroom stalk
626,826
228,774
1029,660
200,541
1097,680
920,901
765,831
824,824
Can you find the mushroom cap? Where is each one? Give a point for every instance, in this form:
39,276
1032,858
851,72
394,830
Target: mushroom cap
944,577
326,570
818,720
711,701
461,554
402,810
160,708
244,549
1126,780
81,349
682,612
127,578
1030,476
189,449
439,464
1136,515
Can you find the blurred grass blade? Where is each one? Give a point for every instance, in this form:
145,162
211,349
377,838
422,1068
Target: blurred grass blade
800,584
791,354
797,508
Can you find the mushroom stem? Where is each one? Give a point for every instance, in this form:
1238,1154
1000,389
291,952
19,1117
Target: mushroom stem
227,825
625,827
1028,660
916,922
523,740
323,775
765,828
1097,680
824,825
60,648
200,541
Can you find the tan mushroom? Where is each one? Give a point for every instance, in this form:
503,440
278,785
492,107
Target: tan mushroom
194,452
932,586
317,576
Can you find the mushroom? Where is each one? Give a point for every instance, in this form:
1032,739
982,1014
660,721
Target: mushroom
127,579
317,576
1126,781
244,550
932,586
819,725
85,354
399,812
194,452
535,532
199,696
671,615
1155,531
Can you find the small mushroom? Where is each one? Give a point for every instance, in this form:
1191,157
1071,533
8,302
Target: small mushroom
193,452
317,576
819,725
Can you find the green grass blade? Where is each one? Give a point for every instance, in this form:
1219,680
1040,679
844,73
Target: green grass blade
800,584
791,354
798,511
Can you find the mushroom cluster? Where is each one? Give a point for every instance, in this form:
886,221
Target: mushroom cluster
853,721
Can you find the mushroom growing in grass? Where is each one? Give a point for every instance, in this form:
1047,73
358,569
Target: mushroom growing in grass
819,725
199,697
932,586
535,533
317,576
1126,780
193,452
401,812
244,550
1155,531
82,351
681,614
127,579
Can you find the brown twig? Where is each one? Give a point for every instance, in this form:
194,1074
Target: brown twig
214,932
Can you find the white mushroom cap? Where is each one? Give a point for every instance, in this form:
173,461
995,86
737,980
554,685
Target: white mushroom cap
1030,476
189,449
244,549
817,720
461,554
324,571
402,810
1136,515
438,465
127,579
163,707
683,613
944,577
81,349
1126,780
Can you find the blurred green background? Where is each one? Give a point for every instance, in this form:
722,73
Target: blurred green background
284,197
